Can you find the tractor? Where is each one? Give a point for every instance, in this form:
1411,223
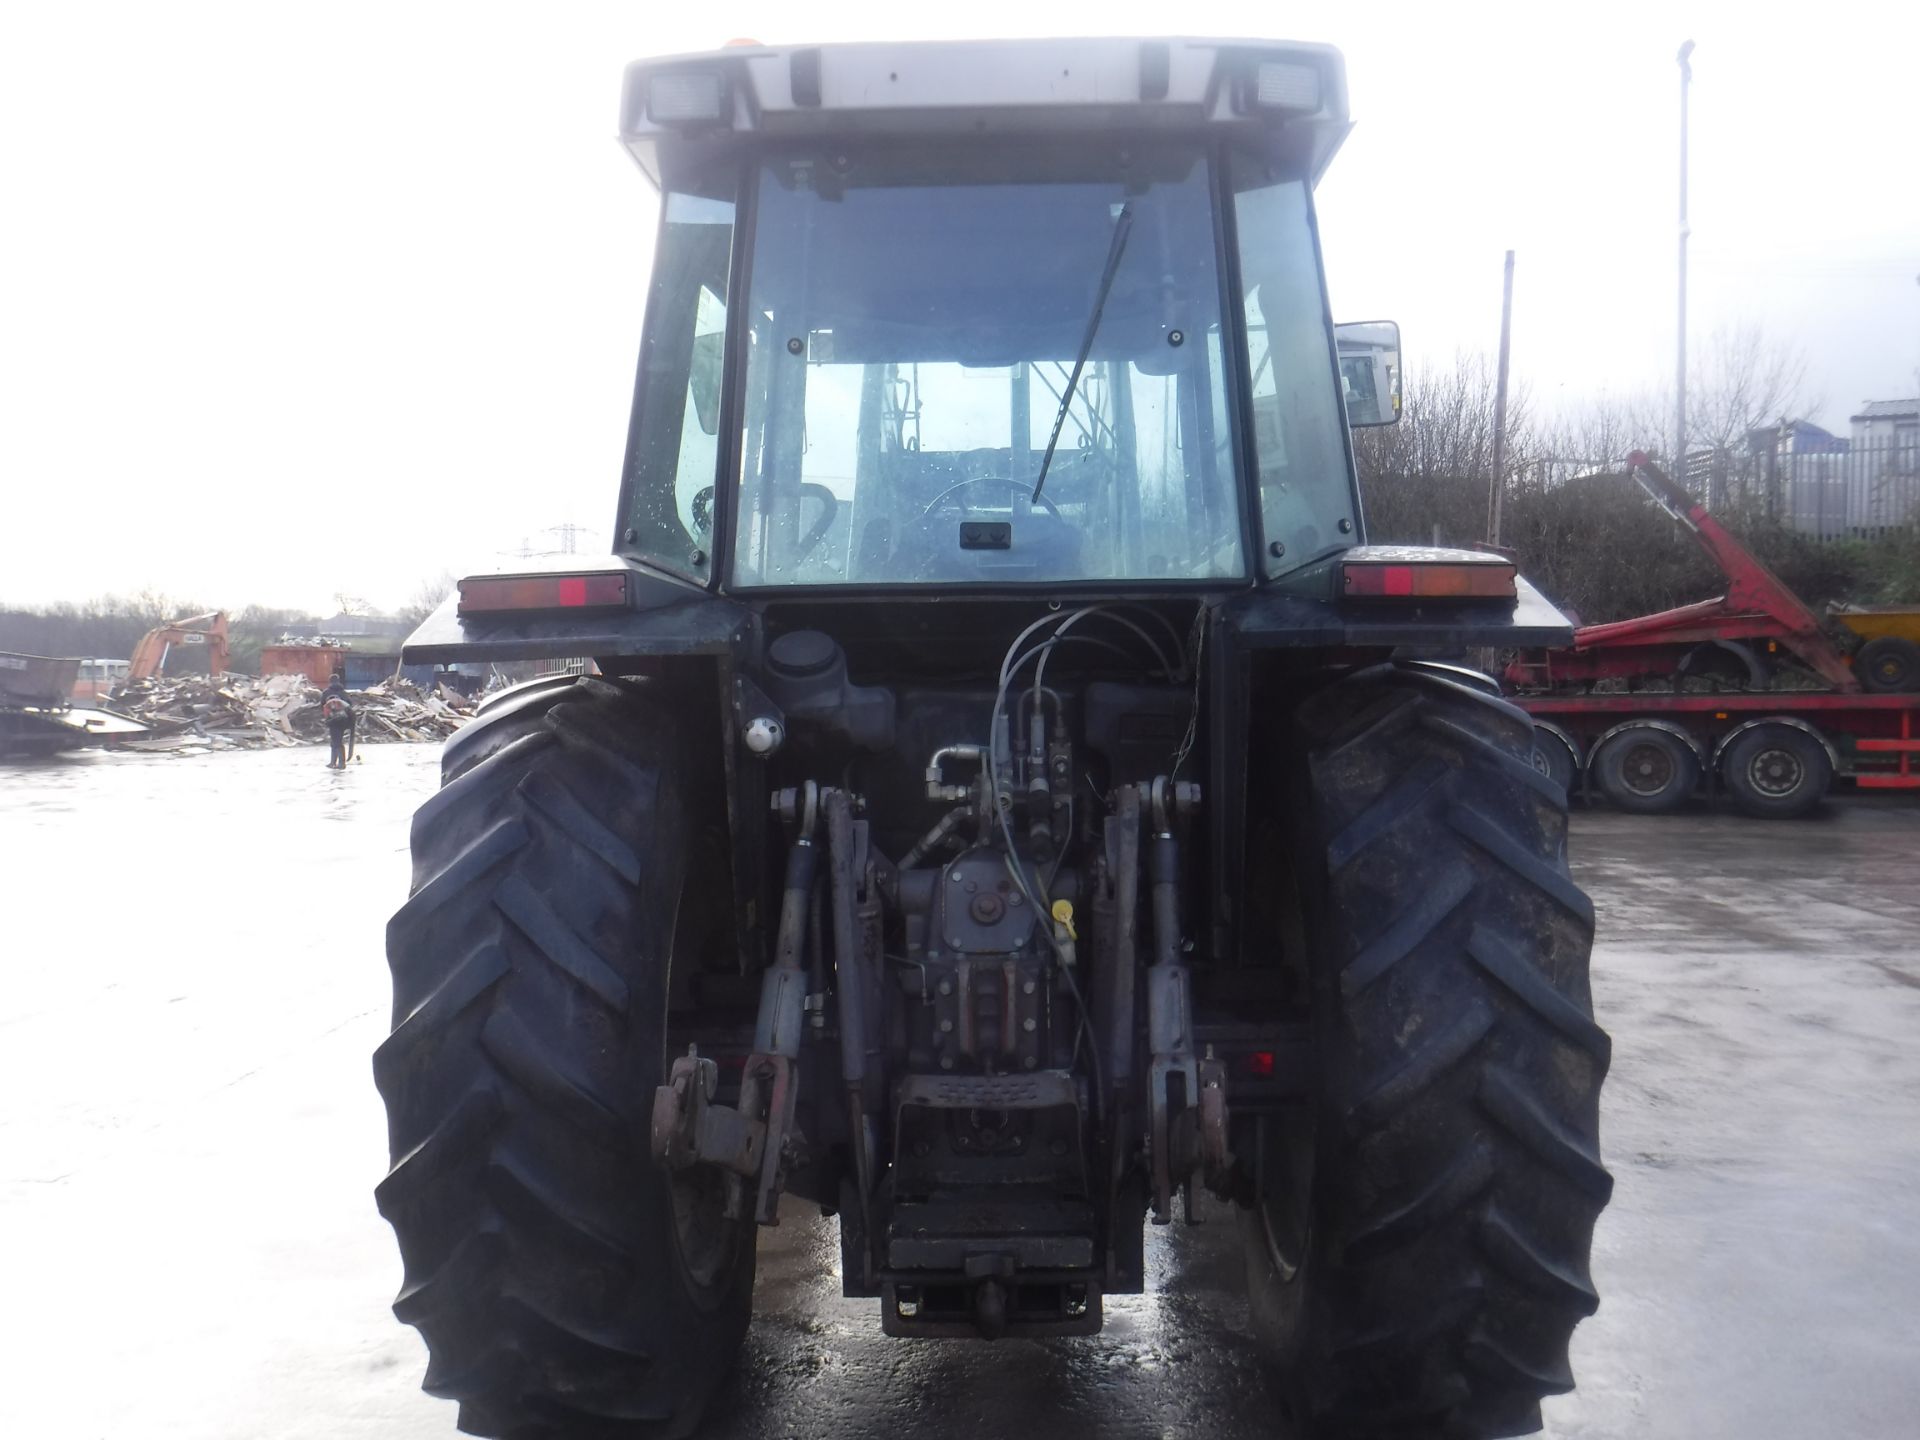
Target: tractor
1009,797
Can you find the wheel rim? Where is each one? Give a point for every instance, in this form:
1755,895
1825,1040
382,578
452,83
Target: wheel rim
705,1237
1776,772
1285,1249
707,1241
1890,671
1647,769
1285,1205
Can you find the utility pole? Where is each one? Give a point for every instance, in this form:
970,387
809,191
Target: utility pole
1680,369
1500,407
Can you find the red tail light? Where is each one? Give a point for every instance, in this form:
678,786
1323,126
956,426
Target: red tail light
1489,578
496,594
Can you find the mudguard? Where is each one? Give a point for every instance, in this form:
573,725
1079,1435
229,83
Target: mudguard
1306,610
664,616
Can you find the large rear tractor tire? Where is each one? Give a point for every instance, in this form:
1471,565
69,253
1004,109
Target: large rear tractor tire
564,1283
1418,1247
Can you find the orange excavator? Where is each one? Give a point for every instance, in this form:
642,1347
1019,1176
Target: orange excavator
150,655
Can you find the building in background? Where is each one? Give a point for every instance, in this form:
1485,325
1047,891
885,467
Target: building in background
1890,431
348,625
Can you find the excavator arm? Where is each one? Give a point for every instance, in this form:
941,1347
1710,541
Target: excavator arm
150,655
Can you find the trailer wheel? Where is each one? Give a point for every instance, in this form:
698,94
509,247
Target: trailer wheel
1776,771
1647,770
564,1283
1418,1234
1889,665
1554,758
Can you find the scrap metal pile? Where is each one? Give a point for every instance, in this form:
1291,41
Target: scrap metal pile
197,712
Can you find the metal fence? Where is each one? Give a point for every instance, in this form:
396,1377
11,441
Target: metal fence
1866,489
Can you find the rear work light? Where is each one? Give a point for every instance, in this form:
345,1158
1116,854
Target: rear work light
500,594
1491,578
687,97
1286,85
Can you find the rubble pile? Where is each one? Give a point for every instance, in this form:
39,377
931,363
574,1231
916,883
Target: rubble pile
283,710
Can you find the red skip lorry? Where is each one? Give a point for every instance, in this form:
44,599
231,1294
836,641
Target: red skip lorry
1772,749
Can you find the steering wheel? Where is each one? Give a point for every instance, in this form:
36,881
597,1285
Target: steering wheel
702,507
810,541
1045,502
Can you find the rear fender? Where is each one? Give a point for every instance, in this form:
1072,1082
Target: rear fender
1297,618
664,617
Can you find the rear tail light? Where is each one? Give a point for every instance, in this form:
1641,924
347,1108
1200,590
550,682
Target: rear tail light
1489,578
497,594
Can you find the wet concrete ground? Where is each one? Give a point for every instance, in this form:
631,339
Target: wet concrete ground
189,1138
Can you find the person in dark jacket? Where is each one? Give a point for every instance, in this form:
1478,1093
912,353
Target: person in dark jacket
337,710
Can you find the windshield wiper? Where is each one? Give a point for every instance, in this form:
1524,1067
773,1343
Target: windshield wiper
1122,227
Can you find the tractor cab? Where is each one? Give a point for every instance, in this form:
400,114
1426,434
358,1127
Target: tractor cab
989,315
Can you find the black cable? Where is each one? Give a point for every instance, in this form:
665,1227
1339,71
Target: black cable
1002,813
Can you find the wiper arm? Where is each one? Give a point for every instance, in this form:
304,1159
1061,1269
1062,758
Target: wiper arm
1122,227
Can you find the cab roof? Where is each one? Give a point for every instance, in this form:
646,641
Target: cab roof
685,109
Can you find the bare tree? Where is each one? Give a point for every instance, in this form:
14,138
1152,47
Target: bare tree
1742,380
427,597
1431,473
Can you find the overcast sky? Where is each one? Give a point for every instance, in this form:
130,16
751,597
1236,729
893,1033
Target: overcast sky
306,300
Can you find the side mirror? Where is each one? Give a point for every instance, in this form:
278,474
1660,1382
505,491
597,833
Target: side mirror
1370,371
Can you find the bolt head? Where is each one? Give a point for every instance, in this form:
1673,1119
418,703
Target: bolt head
1029,1024
764,734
